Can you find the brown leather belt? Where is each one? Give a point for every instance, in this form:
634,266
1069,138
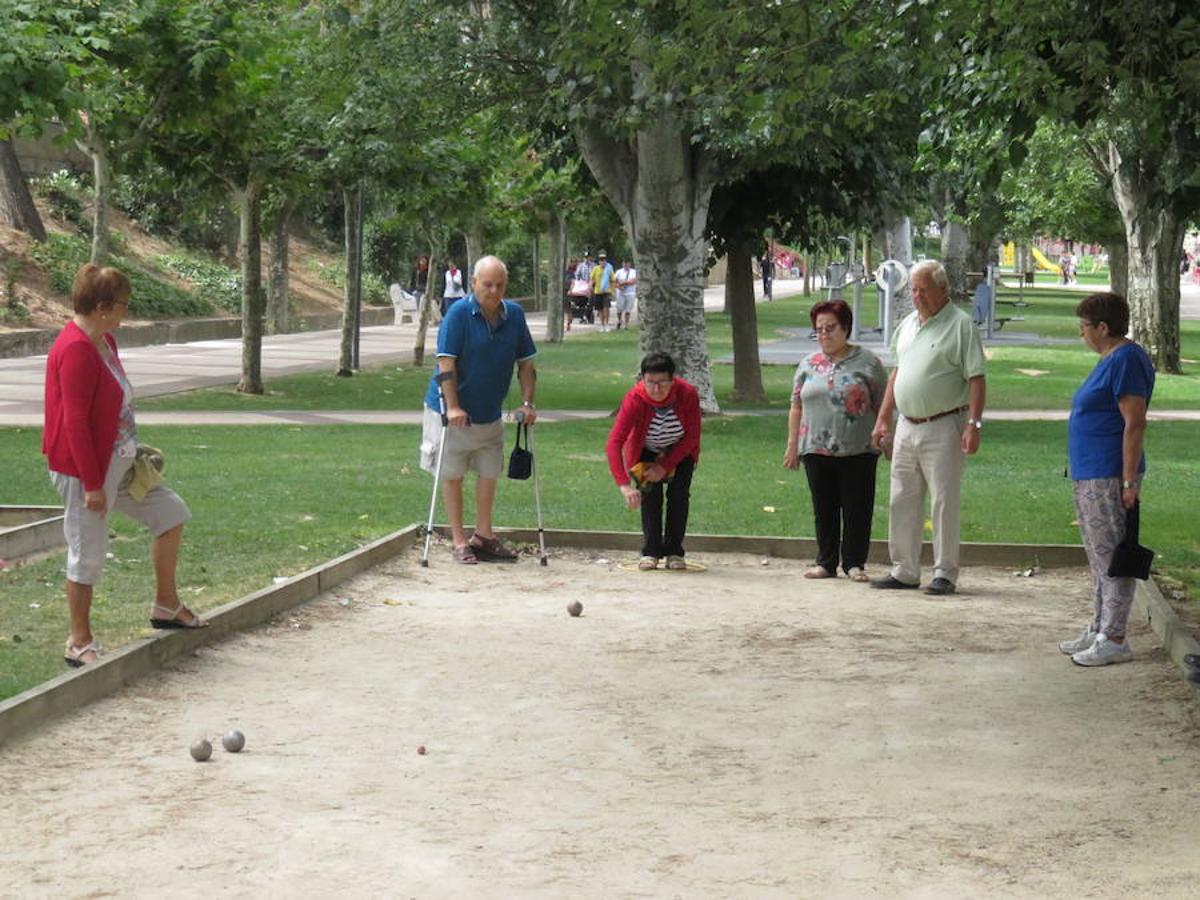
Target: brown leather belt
941,415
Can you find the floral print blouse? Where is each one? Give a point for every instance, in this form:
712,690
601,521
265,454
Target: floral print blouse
840,401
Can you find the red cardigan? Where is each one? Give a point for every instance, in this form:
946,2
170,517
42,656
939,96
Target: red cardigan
628,435
83,406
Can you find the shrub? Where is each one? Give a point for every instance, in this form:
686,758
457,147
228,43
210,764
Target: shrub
217,283
164,205
64,192
374,288
153,298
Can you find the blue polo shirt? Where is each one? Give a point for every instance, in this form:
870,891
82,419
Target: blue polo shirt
484,356
1096,427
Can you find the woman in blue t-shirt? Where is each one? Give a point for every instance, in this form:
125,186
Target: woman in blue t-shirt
1104,452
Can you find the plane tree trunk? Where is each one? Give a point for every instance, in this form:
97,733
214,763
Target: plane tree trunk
661,184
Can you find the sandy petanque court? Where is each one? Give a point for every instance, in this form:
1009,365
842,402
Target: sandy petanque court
732,733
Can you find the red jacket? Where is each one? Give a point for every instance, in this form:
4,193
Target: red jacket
83,406
628,435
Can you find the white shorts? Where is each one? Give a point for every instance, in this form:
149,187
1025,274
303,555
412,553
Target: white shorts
626,301
478,448
87,532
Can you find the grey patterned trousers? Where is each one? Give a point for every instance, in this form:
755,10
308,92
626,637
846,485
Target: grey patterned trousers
1102,525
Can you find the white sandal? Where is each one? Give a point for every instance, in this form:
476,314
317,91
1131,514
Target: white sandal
172,620
74,655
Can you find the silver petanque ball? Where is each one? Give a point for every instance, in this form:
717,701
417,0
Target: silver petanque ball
201,750
233,740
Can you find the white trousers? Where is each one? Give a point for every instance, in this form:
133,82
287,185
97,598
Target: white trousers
926,458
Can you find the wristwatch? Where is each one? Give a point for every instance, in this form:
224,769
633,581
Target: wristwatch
978,423
529,403
1128,484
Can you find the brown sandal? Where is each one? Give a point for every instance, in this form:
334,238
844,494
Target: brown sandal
464,555
489,549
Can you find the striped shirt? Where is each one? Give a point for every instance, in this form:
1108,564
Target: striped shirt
665,430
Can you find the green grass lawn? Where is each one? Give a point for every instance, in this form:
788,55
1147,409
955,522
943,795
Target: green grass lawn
270,501
593,371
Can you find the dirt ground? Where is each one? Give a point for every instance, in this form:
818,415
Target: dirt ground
730,733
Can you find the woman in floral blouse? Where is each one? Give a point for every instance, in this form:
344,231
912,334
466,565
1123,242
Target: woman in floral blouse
835,398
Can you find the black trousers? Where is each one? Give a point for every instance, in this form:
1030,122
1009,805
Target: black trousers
843,497
657,541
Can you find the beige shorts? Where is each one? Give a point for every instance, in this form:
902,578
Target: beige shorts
87,532
477,448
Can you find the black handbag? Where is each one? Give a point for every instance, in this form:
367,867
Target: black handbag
520,461
1130,559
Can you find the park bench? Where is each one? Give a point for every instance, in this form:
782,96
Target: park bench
1001,321
404,303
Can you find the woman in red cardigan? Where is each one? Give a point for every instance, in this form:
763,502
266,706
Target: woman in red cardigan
90,443
656,441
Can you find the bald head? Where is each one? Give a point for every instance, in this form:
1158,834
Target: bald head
489,281
486,262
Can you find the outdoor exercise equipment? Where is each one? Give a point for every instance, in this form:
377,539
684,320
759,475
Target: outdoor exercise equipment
987,298
891,277
840,272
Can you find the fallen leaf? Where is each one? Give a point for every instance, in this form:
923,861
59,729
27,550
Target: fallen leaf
768,509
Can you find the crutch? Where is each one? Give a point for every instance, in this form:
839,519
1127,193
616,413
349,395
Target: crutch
437,470
537,489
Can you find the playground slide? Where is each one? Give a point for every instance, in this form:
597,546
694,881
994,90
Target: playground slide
1044,263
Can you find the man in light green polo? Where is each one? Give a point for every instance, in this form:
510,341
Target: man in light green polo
938,389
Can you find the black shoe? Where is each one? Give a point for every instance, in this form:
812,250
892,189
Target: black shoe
1194,676
1192,660
893,584
940,586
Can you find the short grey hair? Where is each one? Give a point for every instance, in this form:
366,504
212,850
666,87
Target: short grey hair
484,261
934,271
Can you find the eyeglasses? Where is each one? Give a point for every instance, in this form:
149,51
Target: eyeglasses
1083,324
826,329
658,382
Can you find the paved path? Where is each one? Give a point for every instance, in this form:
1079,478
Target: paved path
171,368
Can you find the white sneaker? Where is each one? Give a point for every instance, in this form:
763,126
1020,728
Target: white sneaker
1103,652
1081,643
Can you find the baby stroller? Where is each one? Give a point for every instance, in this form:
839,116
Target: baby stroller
581,309
579,301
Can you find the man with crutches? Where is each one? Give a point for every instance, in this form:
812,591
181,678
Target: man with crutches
481,339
